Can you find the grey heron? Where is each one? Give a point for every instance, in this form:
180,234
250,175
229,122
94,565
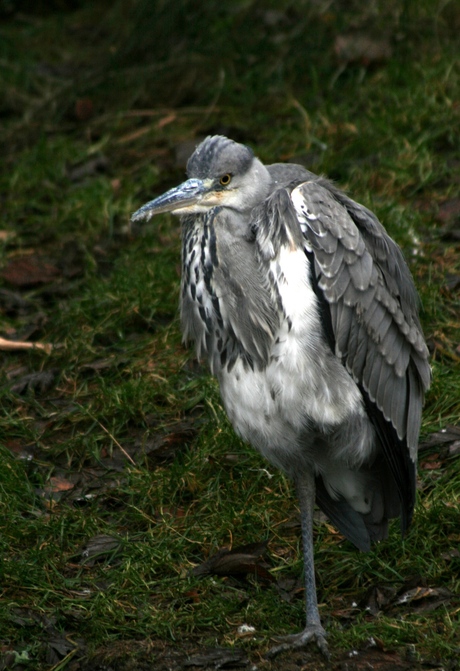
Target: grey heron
308,316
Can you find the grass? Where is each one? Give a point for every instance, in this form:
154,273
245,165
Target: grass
128,440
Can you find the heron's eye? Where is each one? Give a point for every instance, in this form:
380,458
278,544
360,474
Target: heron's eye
225,179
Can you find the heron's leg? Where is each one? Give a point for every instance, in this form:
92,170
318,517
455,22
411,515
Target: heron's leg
306,492
305,486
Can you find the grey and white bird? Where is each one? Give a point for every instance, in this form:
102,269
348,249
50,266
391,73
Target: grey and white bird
308,316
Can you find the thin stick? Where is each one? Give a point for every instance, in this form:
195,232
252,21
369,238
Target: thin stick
128,456
12,345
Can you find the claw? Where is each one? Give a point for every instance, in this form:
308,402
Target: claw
313,632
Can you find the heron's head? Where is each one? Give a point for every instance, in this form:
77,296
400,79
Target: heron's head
221,173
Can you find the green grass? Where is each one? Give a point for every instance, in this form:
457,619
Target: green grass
123,384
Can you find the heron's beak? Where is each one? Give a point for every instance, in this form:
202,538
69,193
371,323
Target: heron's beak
185,195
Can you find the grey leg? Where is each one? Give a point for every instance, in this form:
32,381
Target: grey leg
305,486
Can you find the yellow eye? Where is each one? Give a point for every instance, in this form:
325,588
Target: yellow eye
225,179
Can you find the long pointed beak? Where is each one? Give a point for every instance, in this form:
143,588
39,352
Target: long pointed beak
188,193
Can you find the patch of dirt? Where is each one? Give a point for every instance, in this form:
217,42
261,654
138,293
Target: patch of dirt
157,655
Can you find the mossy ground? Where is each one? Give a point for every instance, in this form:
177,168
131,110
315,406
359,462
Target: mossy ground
119,471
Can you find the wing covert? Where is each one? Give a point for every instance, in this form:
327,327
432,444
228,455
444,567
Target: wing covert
372,300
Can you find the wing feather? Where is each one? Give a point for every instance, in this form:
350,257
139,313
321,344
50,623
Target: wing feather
371,376
343,314
373,309
359,360
335,261
391,346
361,271
414,412
353,340
336,285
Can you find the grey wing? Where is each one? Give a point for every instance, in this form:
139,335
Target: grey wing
372,311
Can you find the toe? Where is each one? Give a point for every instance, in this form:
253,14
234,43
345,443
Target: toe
294,642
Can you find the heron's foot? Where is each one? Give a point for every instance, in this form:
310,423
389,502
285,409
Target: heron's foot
312,632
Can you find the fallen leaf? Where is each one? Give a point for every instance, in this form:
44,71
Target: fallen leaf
290,588
61,645
160,448
432,463
378,597
28,271
36,382
193,595
95,482
454,448
447,439
424,599
58,484
447,435
361,49
98,548
241,561
218,658
106,363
